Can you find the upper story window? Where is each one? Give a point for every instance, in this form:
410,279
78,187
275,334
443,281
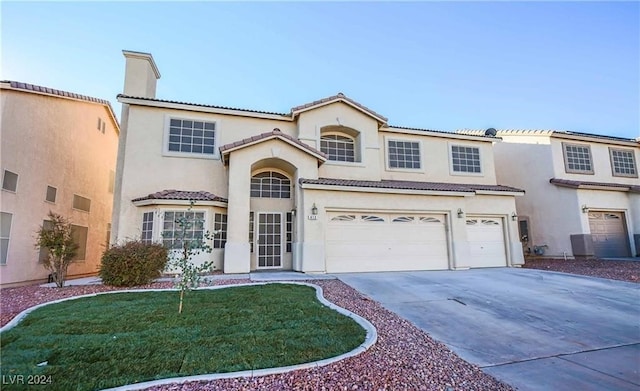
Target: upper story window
270,184
465,159
191,137
623,162
338,148
52,192
403,154
81,203
577,158
10,181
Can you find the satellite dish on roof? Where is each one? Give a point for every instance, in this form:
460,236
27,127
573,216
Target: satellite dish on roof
490,132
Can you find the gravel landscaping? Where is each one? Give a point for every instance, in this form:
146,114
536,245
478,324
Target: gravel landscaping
404,357
614,270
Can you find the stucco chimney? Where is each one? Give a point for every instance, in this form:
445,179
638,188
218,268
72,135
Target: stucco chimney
141,75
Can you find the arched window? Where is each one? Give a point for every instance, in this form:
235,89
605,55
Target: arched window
270,184
338,147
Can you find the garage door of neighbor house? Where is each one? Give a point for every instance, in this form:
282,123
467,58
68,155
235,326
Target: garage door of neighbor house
358,242
609,234
486,242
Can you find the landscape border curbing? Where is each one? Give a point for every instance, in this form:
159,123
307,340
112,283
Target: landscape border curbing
369,340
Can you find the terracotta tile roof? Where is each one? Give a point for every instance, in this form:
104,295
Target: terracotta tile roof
339,96
410,185
182,195
275,133
65,94
203,105
586,184
546,132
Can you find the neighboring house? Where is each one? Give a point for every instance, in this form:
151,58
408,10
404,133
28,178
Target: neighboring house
582,191
327,187
59,152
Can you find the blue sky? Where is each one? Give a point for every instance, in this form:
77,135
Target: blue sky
436,65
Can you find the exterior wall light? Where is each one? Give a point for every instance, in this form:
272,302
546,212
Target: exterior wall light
514,216
585,209
460,213
314,209
293,212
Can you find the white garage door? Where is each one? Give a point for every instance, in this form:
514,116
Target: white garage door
609,234
486,242
358,242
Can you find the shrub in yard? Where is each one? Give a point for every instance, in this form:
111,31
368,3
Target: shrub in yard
133,263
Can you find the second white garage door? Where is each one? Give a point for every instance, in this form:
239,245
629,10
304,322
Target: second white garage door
486,242
359,242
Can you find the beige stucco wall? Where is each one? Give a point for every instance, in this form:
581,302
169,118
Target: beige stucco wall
313,256
555,213
435,154
147,169
52,141
602,171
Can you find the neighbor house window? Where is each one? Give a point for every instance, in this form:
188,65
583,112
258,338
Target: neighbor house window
270,184
112,181
465,159
220,224
108,235
172,232
44,251
10,181
81,203
338,148
189,136
52,192
146,235
577,158
623,162
5,233
403,154
79,235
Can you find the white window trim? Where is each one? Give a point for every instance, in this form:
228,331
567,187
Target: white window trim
190,117
566,160
17,182
45,196
459,173
159,219
386,155
613,169
81,210
6,261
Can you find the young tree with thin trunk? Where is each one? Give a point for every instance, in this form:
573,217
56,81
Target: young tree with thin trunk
58,241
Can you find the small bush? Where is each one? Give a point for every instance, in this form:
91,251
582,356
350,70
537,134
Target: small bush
133,263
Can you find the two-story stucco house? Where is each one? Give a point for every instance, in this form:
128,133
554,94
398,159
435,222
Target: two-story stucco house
328,187
59,152
582,191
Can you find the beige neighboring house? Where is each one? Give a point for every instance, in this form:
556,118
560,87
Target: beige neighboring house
582,191
59,152
328,187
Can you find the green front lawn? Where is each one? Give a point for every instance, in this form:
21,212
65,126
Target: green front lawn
122,338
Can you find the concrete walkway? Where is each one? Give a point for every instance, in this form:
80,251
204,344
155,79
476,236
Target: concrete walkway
533,329
254,276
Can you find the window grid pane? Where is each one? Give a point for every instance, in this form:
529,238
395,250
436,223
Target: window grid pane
270,184
147,228
5,231
338,148
220,224
404,154
172,233
192,136
289,231
465,159
623,162
578,158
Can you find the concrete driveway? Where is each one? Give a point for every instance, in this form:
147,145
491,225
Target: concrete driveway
533,329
